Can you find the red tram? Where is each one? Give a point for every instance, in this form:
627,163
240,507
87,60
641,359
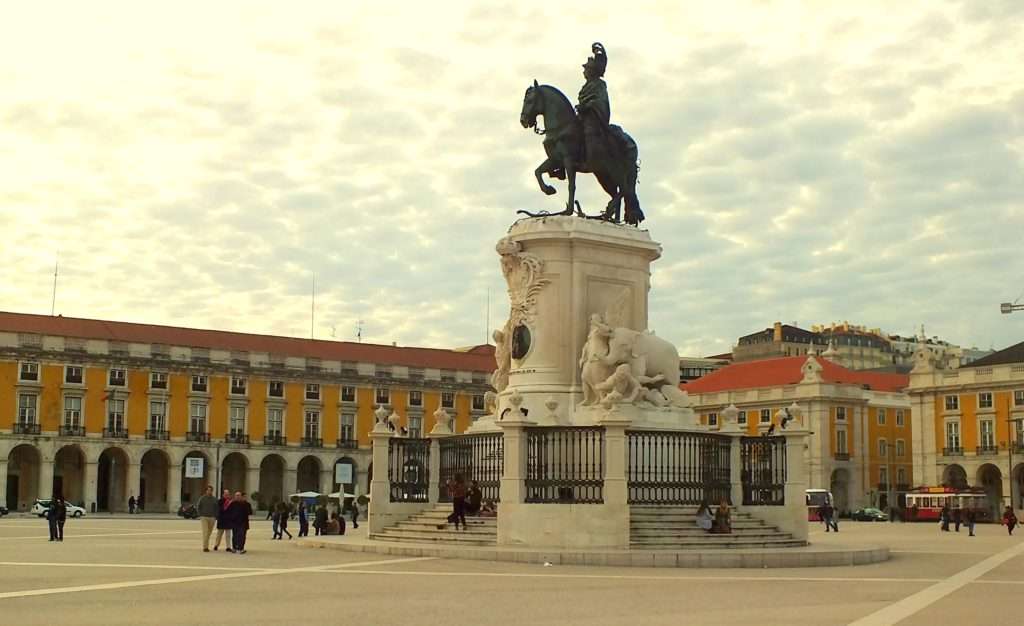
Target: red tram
925,503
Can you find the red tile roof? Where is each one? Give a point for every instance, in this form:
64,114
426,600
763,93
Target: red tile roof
479,359
787,371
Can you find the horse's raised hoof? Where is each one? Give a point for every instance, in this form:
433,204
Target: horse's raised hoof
549,190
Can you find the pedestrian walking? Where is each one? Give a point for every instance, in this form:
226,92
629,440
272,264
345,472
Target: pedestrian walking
828,515
223,525
457,490
51,518
320,520
208,508
282,521
275,517
970,516
957,518
238,514
355,514
944,518
61,515
1009,520
131,504
303,520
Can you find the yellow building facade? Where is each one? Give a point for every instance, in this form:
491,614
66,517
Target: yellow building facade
93,411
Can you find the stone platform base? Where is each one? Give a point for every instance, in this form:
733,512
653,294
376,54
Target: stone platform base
809,556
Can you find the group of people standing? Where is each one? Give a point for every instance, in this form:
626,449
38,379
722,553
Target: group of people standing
229,515
967,517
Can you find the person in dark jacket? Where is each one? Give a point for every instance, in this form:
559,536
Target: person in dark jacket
62,516
238,514
223,526
303,520
51,518
1009,520
355,514
282,520
970,517
320,521
944,518
474,498
957,519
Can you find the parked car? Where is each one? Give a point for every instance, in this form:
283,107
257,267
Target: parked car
40,507
869,515
3,511
188,511
74,510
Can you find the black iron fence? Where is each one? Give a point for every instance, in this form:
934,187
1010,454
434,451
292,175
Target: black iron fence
478,457
565,464
409,469
763,471
670,467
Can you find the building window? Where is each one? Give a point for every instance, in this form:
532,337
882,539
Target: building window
952,403
27,408
988,434
237,423
448,399
238,386
116,377
115,415
953,434
883,476
73,411
901,476
275,389
881,417
415,427
900,420
883,448
312,425
741,417
712,419
312,391
158,380
348,427
766,416
841,442
157,415
415,398
1018,397
985,400
840,413
275,421
901,448
478,402
199,383
197,421
348,394
73,375
382,396
28,372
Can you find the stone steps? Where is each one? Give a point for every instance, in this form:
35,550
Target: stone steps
675,528
422,528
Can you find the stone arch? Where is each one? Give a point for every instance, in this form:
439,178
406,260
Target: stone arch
24,464
839,485
1017,486
192,488
154,471
69,473
990,478
234,469
954,476
273,468
308,474
112,487
348,487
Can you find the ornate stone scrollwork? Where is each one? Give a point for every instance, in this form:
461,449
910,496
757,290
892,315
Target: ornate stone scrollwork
523,275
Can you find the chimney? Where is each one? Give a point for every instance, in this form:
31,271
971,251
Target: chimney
777,337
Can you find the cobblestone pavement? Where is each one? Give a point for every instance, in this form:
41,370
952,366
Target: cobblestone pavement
126,570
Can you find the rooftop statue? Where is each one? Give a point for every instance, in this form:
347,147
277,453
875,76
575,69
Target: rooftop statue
584,140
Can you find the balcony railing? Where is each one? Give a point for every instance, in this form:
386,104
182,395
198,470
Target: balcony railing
236,438
842,456
67,430
882,487
197,436
158,435
115,433
26,428
957,451
274,440
986,450
310,442
348,444
902,487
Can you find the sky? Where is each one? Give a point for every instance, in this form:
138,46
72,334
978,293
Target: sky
800,162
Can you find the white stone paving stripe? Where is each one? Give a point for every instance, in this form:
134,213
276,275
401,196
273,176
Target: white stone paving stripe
926,597
133,566
79,536
724,577
188,579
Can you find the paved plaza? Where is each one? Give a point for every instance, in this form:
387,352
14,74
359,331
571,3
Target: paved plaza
126,570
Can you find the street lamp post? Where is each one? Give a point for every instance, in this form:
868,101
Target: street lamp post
1010,441
1009,307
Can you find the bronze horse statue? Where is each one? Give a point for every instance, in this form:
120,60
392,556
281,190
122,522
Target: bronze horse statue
564,145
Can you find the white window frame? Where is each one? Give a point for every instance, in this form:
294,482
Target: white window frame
712,419
158,418
352,395
477,402
901,419
72,417
901,476
883,475
116,419
379,398
883,448
195,417
311,417
155,381
881,416
347,427
200,380
741,417
415,397
29,365
312,391
955,424
842,441
233,419
81,374
901,448
415,426
270,388
840,413
991,432
277,411
120,380
28,413
765,416
233,387
448,403
988,396
951,402
1018,397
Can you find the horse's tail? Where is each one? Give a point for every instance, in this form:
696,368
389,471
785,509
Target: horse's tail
634,214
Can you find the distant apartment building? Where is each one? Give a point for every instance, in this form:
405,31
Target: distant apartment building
692,368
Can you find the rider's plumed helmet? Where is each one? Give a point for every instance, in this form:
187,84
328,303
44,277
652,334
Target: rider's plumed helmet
599,61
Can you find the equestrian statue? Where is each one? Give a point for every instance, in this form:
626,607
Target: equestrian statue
582,139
